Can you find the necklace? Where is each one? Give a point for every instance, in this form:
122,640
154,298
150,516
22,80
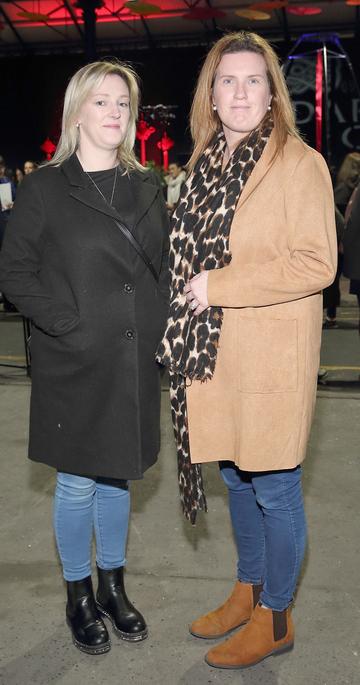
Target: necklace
113,188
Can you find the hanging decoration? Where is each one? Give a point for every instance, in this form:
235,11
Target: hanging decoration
142,8
254,15
161,117
48,147
143,133
304,11
165,144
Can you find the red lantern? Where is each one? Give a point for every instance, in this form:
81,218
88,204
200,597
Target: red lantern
144,131
48,147
165,144
304,11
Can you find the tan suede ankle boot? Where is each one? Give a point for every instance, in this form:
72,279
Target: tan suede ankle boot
268,632
233,613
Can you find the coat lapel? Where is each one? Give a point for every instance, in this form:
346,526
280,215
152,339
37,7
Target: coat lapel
260,170
83,190
144,193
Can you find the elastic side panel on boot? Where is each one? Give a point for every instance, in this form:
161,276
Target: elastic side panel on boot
279,624
257,589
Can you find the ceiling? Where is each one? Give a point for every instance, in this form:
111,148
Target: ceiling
50,26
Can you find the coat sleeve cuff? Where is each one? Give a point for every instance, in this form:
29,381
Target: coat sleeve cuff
220,289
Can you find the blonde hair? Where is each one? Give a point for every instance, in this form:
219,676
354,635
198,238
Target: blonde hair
205,122
350,168
84,81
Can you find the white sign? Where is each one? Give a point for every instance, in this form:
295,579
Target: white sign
5,196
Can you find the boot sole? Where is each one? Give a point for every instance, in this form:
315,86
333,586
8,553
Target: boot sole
87,649
275,652
128,637
216,637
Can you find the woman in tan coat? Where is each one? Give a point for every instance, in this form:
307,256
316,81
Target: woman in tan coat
253,245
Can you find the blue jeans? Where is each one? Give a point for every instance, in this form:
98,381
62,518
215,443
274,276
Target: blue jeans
81,506
268,519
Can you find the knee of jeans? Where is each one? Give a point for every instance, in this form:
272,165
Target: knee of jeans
71,487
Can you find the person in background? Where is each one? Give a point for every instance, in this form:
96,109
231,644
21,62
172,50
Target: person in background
351,244
5,177
331,295
253,244
346,180
174,180
5,210
19,175
29,166
85,258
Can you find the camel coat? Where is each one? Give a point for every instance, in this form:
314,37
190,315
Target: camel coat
257,409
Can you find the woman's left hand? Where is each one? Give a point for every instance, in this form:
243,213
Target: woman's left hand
196,293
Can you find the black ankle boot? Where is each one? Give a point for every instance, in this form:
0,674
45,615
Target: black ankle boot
112,602
88,629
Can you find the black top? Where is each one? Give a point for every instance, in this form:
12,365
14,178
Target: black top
124,200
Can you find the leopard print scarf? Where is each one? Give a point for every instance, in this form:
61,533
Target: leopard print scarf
200,234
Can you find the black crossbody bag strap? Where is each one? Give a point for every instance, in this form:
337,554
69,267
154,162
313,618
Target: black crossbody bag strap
125,231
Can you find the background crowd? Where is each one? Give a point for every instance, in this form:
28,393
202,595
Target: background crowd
346,181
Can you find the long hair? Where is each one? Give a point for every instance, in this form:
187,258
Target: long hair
84,81
205,122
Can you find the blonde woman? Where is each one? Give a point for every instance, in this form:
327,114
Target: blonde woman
86,259
253,244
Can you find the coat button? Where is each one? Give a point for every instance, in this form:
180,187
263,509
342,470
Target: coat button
130,335
129,288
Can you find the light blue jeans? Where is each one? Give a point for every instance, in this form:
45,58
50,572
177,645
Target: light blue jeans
82,506
268,519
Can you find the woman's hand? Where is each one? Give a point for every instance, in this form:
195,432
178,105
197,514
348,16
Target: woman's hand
196,293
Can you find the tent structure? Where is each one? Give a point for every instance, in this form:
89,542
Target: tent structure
63,26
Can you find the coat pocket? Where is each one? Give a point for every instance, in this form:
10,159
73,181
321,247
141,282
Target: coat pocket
268,355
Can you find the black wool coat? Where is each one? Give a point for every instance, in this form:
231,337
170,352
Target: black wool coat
98,316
